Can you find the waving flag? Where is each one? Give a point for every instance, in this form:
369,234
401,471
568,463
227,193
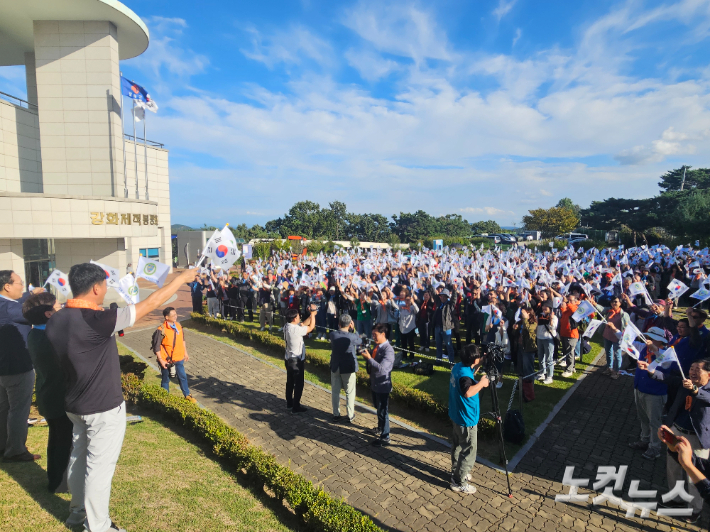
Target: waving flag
59,281
112,275
628,338
152,270
138,94
676,289
664,359
702,294
592,328
584,310
222,248
128,289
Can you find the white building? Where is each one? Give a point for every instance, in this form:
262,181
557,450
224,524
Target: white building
66,193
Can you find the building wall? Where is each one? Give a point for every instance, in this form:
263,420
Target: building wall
158,191
57,216
20,156
109,251
11,253
78,95
197,241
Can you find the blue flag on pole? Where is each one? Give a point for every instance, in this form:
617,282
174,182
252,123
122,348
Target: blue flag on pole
137,93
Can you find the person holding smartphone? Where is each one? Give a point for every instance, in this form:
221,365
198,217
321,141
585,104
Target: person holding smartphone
680,450
688,416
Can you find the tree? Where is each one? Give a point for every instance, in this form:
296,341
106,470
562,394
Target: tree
691,215
489,226
453,225
612,213
412,227
569,204
332,220
354,242
303,219
672,180
554,220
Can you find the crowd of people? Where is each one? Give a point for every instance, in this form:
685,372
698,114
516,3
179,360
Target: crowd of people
522,299
389,308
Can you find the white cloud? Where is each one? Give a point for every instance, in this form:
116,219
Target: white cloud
504,7
431,144
371,66
518,34
165,56
488,211
400,29
287,46
670,143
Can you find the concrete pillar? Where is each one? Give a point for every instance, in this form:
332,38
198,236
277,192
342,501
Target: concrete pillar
31,78
78,95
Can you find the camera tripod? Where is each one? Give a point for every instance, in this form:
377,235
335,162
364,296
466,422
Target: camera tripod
494,376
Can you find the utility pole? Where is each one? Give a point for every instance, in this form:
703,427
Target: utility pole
682,183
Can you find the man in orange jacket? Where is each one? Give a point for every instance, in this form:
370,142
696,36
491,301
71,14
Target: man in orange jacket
172,350
568,336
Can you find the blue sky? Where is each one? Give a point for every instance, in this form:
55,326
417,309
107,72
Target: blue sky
484,108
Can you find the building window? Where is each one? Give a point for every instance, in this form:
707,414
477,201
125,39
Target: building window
150,253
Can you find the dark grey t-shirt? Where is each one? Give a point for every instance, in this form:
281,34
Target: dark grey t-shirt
84,342
344,351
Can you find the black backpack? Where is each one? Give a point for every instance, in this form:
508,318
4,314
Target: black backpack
514,427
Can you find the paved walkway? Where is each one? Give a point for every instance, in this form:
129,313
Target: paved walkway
405,486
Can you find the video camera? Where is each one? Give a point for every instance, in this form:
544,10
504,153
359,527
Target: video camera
492,356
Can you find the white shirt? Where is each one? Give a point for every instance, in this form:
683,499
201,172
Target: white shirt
295,347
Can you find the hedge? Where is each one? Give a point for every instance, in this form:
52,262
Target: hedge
316,508
404,395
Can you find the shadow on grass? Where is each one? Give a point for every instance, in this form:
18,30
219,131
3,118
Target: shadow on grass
33,479
284,515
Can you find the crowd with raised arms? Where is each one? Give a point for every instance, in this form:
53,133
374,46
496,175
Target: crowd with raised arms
535,304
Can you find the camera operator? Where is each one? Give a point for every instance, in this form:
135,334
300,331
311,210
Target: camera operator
343,366
170,348
380,363
294,331
464,411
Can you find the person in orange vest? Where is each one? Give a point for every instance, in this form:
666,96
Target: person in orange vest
170,348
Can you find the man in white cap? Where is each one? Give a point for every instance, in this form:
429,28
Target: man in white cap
650,396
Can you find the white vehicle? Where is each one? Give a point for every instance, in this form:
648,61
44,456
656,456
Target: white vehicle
572,236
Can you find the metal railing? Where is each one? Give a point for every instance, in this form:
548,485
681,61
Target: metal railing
27,104
149,142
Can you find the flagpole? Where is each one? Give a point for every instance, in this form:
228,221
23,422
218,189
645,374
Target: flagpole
123,137
145,154
135,146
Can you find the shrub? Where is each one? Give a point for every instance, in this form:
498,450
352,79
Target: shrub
317,509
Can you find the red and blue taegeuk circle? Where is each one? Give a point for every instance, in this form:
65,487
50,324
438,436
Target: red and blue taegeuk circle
222,251
61,281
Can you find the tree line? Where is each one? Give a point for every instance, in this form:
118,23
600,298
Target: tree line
681,209
309,220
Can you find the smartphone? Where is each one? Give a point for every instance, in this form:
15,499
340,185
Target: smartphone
668,436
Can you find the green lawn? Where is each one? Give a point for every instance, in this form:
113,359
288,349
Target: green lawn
534,413
164,481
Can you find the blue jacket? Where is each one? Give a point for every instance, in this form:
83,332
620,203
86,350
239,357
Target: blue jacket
381,368
343,356
14,328
643,381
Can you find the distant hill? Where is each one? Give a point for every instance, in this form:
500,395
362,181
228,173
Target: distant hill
179,227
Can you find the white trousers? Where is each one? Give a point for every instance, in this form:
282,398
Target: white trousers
96,446
345,381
